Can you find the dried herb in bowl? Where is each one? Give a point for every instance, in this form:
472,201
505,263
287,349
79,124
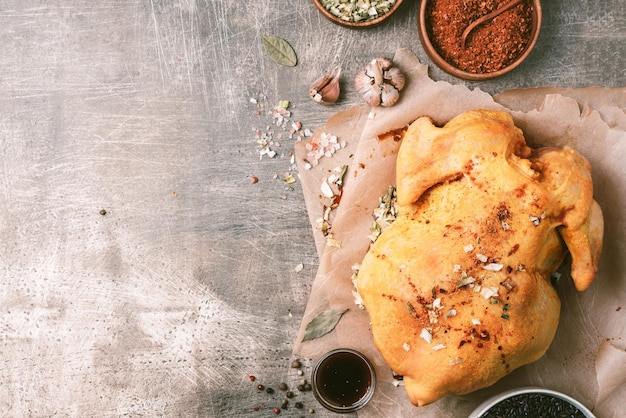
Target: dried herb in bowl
357,13
531,402
357,10
533,405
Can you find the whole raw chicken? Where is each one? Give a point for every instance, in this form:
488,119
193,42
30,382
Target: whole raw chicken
459,289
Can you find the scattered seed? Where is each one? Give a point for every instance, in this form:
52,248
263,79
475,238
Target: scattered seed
252,378
289,394
299,405
301,387
307,386
254,179
276,411
284,403
283,386
260,387
269,390
103,212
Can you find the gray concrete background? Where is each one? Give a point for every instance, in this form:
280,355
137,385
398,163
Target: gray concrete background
188,284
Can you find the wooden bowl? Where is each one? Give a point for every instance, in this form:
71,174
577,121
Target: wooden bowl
351,24
450,68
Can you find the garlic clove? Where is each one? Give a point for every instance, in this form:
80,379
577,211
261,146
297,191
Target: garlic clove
395,77
363,82
375,69
326,89
389,95
385,63
373,96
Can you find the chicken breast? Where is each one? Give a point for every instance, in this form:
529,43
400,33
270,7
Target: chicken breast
458,289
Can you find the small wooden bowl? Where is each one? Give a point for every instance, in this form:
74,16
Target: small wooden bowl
466,75
350,24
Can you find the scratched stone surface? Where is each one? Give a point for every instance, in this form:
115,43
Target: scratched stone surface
188,284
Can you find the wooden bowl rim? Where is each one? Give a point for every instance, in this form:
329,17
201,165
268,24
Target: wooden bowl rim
466,75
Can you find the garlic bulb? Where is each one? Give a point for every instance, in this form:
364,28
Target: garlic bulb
380,83
325,90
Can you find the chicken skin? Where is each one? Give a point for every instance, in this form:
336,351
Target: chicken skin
458,288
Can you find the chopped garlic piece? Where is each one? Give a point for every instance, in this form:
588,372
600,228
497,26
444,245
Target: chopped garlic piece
438,347
451,312
482,258
489,292
326,190
406,346
426,335
493,267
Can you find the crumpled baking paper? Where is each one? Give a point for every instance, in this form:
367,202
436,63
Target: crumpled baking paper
588,355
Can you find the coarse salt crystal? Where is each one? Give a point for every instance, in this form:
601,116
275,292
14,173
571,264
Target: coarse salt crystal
481,257
438,347
406,346
468,248
426,335
475,321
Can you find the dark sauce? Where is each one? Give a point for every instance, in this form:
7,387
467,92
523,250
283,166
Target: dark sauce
343,379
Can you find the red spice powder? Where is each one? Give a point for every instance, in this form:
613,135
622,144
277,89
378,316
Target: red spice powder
491,46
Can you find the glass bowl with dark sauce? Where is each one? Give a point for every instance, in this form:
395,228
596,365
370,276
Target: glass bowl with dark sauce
343,380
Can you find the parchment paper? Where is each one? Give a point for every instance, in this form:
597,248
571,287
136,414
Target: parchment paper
587,355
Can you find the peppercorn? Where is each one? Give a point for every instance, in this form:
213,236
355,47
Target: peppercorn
260,387
299,405
311,411
289,394
276,411
103,212
296,364
283,386
284,403
307,386
252,378
269,390
301,387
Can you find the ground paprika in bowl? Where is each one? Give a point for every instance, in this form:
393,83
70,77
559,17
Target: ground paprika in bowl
493,48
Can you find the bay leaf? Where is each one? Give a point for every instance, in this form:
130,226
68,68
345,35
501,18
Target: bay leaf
279,50
323,323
